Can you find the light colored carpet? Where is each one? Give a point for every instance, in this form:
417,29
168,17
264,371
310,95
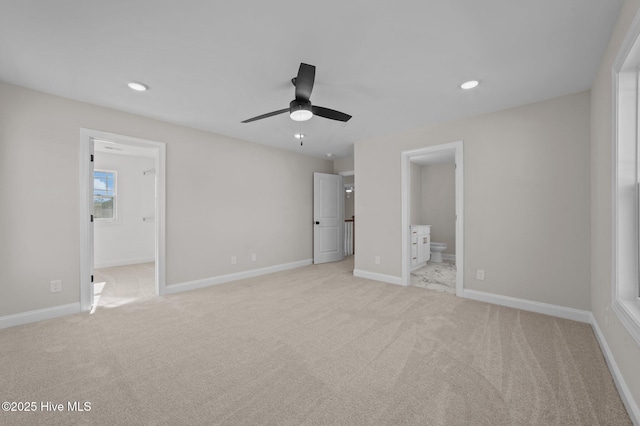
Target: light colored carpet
119,285
310,346
436,276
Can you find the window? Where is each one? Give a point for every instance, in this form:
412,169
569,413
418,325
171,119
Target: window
626,194
104,195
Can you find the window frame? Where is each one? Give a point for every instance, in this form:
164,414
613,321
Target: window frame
625,216
116,217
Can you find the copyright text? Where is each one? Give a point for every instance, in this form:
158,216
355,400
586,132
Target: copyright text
24,406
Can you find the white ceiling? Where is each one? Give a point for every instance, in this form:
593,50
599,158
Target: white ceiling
391,65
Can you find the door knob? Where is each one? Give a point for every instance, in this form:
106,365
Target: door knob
317,223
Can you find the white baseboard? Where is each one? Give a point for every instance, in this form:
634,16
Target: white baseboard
528,305
389,279
124,262
623,389
575,315
221,279
449,256
39,315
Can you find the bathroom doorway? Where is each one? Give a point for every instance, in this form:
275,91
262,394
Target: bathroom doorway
432,217
433,223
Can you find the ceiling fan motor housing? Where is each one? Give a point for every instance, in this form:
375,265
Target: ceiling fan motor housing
300,110
299,104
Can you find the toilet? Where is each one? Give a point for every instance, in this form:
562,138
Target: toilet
436,251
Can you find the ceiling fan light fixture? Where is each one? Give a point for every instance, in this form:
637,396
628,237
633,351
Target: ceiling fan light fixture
469,84
301,115
298,136
300,110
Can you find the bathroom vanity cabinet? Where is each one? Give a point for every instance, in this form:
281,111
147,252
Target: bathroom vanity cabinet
420,245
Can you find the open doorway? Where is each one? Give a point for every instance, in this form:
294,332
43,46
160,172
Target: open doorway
122,219
349,213
124,187
432,181
432,221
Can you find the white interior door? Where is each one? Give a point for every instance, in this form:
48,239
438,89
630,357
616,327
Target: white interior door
328,217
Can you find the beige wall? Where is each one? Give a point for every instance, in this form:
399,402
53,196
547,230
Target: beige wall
343,165
526,200
415,194
624,348
225,197
438,203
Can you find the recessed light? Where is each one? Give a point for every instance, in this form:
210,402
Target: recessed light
329,154
298,136
137,86
469,84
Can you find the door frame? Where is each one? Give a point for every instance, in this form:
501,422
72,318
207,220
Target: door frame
87,137
406,156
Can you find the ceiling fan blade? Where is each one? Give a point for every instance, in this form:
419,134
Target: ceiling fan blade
331,114
269,114
304,81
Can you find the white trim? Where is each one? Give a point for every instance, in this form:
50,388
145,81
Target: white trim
389,279
624,272
528,305
124,262
625,394
39,315
405,157
87,137
449,256
86,230
221,279
628,313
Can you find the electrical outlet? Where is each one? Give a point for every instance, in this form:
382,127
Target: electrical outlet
480,274
253,257
55,286
234,260
377,260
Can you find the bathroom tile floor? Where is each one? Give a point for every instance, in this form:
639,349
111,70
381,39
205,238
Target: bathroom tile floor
436,276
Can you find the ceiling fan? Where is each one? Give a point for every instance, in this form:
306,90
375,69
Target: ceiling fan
301,109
